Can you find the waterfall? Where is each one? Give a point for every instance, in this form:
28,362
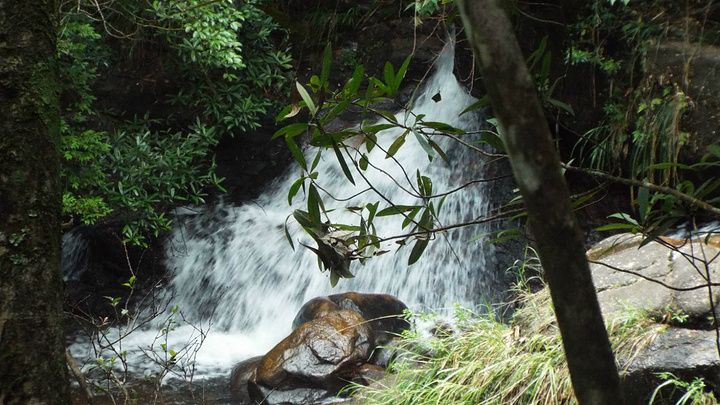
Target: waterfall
74,256
237,261
233,268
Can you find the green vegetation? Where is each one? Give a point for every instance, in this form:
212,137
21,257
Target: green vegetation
646,110
643,128
691,393
522,362
202,71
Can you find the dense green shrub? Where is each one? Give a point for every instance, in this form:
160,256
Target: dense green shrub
225,62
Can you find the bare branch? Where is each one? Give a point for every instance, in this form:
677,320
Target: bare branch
652,280
650,186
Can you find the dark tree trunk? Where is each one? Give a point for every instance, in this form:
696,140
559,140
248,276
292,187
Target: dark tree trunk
537,171
32,353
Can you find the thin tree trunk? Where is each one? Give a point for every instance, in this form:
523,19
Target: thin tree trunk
33,369
536,166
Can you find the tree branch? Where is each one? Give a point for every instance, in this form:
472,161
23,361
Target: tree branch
650,186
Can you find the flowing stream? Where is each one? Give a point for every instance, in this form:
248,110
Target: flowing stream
235,274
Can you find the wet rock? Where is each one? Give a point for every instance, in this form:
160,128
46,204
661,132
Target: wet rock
625,278
315,362
654,277
384,355
686,353
314,309
241,373
383,312
678,350
367,374
442,330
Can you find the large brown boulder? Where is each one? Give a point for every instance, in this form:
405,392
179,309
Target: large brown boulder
382,311
241,373
317,360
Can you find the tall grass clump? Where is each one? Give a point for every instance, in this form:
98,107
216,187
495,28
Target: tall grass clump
488,361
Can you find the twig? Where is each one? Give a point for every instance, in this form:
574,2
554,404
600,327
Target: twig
89,397
650,186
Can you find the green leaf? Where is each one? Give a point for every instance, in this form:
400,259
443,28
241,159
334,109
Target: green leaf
389,75
545,69
306,98
284,113
494,140
327,58
442,202
316,161
369,92
388,115
410,217
509,234
352,85
396,209
714,149
424,143
343,165
618,226
533,59
363,163
382,86
417,250
478,104
625,217
291,130
372,211
439,150
344,227
337,109
424,184
296,152
313,205
709,186
328,139
426,220
401,72
344,272
303,218
373,129
334,277
396,145
287,234
370,141
661,229
295,188
667,165
443,127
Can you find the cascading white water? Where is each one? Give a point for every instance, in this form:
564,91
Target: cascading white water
235,262
238,260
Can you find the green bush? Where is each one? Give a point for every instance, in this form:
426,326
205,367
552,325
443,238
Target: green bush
226,62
